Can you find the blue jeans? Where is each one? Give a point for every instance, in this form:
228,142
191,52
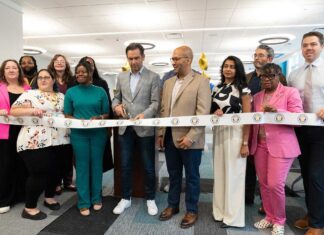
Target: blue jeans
146,146
176,159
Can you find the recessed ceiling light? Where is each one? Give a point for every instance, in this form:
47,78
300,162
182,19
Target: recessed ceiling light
148,45
247,62
160,64
174,35
29,50
109,73
274,40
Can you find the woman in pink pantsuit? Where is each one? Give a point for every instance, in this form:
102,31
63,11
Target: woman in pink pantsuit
274,146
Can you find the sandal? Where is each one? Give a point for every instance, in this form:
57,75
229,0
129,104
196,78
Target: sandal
85,211
97,206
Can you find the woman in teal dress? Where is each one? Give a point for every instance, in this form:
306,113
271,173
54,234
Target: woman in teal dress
87,102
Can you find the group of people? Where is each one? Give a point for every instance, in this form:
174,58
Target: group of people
241,153
38,158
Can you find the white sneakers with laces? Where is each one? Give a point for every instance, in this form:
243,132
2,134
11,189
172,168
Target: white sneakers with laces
121,206
124,204
151,207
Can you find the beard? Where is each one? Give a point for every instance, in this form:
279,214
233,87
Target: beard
31,72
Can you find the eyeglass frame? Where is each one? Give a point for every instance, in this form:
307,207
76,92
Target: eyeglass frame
176,59
46,78
270,76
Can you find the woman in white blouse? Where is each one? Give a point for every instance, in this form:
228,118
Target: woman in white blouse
37,144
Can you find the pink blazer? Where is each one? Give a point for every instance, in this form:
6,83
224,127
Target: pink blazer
5,104
281,139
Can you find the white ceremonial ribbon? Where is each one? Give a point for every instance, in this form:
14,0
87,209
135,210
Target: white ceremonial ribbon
296,119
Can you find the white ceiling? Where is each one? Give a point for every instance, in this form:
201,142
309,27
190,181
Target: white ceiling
99,28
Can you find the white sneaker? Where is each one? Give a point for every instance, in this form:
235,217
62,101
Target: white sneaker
262,224
166,188
4,209
121,206
151,207
278,229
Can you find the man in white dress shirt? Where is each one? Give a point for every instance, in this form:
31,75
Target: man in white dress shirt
309,80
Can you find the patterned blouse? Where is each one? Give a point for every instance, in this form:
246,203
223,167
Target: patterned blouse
36,137
228,98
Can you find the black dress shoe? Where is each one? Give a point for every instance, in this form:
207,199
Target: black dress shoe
39,216
223,225
70,188
54,206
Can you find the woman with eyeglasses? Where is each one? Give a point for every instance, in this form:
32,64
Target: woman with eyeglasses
87,102
13,172
61,70
230,145
274,146
38,145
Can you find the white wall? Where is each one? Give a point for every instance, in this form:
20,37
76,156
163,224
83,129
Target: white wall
11,39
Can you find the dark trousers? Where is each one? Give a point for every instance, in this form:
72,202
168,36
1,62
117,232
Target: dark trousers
176,159
64,156
13,172
311,141
128,142
41,165
250,180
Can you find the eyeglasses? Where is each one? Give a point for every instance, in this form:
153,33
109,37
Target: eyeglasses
259,56
59,61
44,78
175,59
269,76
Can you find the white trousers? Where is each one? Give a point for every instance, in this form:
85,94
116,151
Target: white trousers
229,176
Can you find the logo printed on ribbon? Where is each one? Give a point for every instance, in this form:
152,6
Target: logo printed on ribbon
85,123
137,122
156,122
257,117
6,119
35,121
67,123
194,121
279,117
214,119
20,120
102,123
302,118
175,121
236,118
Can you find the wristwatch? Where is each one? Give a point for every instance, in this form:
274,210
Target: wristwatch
245,143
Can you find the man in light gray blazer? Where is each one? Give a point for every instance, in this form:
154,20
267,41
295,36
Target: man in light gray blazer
137,96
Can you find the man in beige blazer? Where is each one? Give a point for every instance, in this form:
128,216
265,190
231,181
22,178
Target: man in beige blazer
185,94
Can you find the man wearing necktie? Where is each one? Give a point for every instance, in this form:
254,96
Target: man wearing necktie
137,96
185,94
309,80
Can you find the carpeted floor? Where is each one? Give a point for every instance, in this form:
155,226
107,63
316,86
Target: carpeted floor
135,220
